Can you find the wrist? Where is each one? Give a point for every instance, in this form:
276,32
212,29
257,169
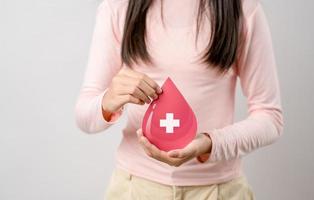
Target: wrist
204,155
108,104
205,146
208,141
108,110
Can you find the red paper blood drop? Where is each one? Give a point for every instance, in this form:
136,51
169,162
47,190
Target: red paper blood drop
169,122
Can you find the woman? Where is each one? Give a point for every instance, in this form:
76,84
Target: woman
204,46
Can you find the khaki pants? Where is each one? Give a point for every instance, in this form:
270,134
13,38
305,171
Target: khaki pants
125,186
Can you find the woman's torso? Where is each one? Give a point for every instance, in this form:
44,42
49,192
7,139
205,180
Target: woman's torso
210,95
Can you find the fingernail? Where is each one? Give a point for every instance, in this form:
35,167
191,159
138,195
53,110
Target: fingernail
159,90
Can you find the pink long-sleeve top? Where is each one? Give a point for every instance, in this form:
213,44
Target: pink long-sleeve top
211,96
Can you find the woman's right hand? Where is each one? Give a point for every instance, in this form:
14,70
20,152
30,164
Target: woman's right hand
129,86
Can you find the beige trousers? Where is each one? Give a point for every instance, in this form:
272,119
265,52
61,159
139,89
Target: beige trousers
125,186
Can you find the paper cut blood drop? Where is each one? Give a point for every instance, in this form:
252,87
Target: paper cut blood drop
169,122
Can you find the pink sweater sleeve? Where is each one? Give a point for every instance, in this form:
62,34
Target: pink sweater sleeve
103,63
259,83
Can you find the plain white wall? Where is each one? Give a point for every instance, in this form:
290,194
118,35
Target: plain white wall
43,51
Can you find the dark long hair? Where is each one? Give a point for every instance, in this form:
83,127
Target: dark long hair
223,46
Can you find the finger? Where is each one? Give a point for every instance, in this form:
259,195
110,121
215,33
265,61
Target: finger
131,99
147,79
181,161
187,151
159,154
152,84
173,153
128,85
178,161
178,153
148,152
136,92
163,156
146,90
140,136
146,146
156,153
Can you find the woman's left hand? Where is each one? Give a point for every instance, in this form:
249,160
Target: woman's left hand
200,145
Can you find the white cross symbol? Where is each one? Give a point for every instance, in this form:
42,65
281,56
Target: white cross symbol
169,123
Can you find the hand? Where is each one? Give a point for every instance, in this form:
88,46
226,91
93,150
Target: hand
129,86
200,145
